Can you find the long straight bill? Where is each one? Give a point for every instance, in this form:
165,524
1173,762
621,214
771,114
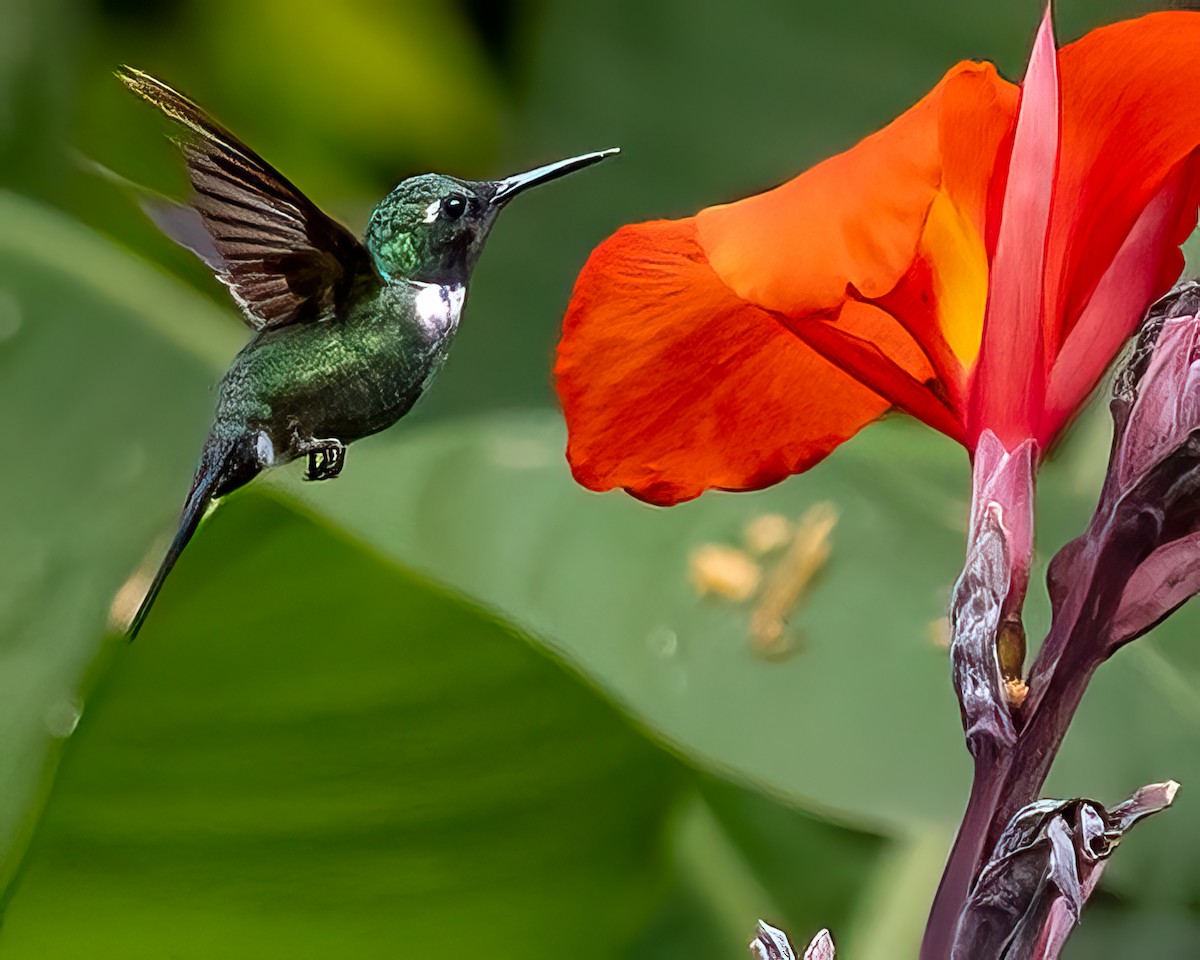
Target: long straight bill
509,187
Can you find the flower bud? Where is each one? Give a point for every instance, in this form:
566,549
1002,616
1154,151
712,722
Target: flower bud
987,640
1045,865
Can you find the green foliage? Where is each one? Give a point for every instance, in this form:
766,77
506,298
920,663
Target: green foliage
604,580
74,324
351,764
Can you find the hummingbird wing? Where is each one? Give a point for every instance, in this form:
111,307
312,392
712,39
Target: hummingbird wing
283,260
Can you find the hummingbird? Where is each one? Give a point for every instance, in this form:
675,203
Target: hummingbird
347,333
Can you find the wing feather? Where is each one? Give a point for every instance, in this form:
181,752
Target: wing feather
283,260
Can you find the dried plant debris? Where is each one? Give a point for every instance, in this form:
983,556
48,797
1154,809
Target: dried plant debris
767,533
976,610
773,944
726,572
1045,865
729,573
788,581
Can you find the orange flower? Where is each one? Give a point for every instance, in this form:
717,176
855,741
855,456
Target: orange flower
978,263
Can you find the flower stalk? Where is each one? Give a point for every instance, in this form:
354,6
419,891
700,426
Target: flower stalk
1136,563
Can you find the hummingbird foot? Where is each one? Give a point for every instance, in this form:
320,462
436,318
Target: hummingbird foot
325,459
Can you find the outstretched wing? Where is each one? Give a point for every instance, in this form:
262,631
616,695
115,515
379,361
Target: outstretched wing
282,258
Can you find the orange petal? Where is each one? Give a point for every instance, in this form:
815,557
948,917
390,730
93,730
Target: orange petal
975,130
1131,116
857,223
671,384
676,372
869,345
942,297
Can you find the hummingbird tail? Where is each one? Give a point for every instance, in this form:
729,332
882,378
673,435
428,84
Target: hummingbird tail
221,470
193,512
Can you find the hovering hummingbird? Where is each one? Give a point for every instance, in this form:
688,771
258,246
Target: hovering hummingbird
347,334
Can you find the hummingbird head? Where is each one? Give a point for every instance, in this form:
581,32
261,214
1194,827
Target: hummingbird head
431,228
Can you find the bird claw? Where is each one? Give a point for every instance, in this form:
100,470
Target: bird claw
325,460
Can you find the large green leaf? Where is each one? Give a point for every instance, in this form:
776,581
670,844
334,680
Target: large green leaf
491,509
115,363
340,761
94,468
862,720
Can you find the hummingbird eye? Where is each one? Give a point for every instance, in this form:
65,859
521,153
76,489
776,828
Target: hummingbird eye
454,207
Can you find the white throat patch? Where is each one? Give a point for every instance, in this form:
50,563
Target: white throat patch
439,307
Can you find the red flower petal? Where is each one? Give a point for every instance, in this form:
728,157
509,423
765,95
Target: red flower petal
942,297
1148,262
1131,117
677,374
1126,196
1009,384
671,384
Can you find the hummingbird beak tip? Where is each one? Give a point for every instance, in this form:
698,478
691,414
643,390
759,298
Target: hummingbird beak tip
508,188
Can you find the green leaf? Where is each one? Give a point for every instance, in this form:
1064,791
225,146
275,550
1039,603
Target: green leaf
876,735
340,761
890,920
94,466
862,720
845,725
1191,250
811,870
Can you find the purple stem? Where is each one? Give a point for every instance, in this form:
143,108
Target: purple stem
1145,533
1006,779
966,857
1003,785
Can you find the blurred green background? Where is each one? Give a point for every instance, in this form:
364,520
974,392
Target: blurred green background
452,703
